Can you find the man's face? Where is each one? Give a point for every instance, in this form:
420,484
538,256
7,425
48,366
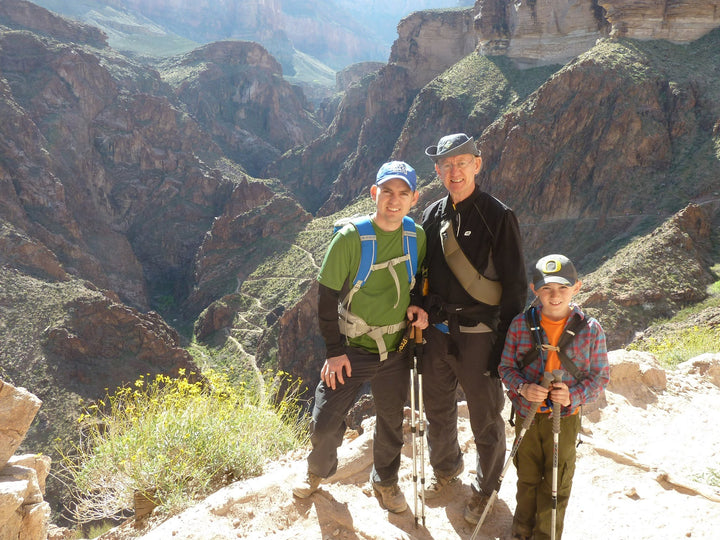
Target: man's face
393,199
458,174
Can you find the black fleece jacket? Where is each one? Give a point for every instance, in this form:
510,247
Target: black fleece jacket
482,224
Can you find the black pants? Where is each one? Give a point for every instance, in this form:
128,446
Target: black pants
463,359
389,382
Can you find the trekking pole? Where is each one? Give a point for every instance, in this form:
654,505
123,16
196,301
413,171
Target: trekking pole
547,379
413,427
557,377
417,426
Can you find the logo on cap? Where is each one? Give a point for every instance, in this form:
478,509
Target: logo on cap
446,144
551,266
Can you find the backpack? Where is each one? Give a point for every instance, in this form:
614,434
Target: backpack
351,325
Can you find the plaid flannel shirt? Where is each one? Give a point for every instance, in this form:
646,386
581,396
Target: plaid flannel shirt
588,351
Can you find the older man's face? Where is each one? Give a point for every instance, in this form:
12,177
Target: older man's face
458,174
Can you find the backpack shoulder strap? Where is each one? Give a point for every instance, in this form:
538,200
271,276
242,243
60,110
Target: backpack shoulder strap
533,325
573,327
368,249
410,247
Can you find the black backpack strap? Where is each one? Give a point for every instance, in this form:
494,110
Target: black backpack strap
533,325
532,321
574,326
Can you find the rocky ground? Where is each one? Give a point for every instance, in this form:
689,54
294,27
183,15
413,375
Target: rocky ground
643,472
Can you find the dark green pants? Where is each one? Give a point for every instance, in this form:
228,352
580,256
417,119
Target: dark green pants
534,464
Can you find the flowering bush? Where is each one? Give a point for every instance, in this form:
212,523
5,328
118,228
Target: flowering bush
177,440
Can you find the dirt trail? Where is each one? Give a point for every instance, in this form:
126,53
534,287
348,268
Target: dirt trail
639,476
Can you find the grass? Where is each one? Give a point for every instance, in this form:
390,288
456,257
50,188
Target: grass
178,441
675,348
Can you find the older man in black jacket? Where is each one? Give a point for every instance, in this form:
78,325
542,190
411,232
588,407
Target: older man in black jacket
475,284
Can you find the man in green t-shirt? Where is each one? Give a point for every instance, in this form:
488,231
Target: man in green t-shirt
353,357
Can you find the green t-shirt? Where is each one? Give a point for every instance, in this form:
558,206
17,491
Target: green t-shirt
375,301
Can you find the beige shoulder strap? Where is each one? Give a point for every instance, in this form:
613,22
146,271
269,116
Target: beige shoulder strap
478,286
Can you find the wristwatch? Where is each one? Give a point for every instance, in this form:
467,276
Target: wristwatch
519,390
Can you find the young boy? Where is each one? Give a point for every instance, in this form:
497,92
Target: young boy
555,282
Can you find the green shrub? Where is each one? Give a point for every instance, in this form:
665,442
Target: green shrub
177,441
677,347
712,477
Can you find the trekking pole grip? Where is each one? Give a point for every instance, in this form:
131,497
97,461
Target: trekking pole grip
419,350
557,375
545,383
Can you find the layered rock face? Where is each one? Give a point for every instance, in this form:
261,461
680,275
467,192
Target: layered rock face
538,32
430,42
311,173
679,21
545,32
23,512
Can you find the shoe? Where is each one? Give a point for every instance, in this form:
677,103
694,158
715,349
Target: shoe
475,507
439,481
391,498
307,486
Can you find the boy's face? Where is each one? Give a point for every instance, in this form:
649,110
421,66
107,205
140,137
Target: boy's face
555,299
393,199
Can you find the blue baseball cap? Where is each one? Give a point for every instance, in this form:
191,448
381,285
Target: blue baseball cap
397,169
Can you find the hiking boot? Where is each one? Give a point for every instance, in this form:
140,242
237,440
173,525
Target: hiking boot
475,507
390,497
439,481
307,486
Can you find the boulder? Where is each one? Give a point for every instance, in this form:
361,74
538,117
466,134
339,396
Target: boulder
635,375
17,411
23,512
706,365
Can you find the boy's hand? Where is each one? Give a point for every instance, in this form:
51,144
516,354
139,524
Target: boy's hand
332,371
560,393
533,392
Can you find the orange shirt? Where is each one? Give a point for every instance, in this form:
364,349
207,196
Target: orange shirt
553,331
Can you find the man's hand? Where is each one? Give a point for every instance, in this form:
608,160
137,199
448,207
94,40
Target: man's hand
332,370
418,316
